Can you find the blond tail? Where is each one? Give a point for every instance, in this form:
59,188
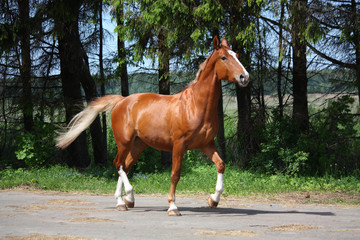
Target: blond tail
84,118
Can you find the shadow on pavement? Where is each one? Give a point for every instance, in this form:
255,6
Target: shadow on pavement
225,211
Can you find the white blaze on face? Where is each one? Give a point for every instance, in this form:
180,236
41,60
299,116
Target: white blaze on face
233,54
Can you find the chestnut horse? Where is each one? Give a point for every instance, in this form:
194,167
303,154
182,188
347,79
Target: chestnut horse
184,121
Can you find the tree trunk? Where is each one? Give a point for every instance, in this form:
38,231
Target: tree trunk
239,19
300,104
102,80
280,59
122,52
243,97
221,141
164,82
25,66
356,41
68,36
89,87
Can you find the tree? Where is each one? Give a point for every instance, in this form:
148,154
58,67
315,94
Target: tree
241,29
299,23
102,81
25,65
280,59
122,68
340,43
66,15
75,73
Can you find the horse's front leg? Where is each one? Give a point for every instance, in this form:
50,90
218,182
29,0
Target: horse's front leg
211,153
178,153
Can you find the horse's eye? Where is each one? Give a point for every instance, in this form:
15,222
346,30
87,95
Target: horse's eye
223,58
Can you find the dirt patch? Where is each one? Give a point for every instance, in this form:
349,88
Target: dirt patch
21,209
229,233
338,198
294,227
92,219
5,215
78,214
68,202
329,198
46,237
345,230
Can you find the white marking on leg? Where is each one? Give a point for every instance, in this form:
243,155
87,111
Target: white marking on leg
128,188
219,187
118,192
172,205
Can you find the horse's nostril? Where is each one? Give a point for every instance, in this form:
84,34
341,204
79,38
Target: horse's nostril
242,77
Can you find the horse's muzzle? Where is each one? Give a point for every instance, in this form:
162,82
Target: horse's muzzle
243,80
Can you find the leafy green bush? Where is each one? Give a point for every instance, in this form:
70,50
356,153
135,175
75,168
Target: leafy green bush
330,147
279,152
37,148
333,141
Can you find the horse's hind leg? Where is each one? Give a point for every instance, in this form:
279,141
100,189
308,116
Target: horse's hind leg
137,147
119,162
211,153
120,204
124,166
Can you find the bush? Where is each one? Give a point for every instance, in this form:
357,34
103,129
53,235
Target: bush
333,141
330,147
279,152
37,148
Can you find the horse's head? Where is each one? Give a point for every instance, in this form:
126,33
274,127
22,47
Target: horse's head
227,65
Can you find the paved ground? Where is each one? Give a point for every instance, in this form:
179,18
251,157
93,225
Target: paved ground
41,215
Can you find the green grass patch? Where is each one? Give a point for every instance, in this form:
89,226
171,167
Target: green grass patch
194,180
56,178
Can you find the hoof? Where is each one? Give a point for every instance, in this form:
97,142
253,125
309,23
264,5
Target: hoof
174,212
212,203
121,207
129,204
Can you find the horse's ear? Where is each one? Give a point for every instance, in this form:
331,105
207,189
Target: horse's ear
224,43
216,43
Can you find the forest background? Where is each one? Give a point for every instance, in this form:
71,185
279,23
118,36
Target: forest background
298,117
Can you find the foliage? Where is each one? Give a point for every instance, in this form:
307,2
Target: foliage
333,141
331,146
37,148
279,152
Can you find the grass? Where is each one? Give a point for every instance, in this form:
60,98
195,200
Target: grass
198,179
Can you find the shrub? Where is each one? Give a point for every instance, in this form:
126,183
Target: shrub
279,152
37,148
330,147
333,139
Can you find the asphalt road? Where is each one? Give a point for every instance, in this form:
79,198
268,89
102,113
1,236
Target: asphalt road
43,215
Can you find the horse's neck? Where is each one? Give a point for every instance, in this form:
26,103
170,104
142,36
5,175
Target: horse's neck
207,92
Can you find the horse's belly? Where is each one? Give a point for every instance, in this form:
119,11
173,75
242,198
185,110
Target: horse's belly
157,141
155,134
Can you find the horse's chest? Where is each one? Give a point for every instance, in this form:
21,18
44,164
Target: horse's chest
202,135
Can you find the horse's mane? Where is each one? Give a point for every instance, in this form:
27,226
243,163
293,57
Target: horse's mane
201,69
